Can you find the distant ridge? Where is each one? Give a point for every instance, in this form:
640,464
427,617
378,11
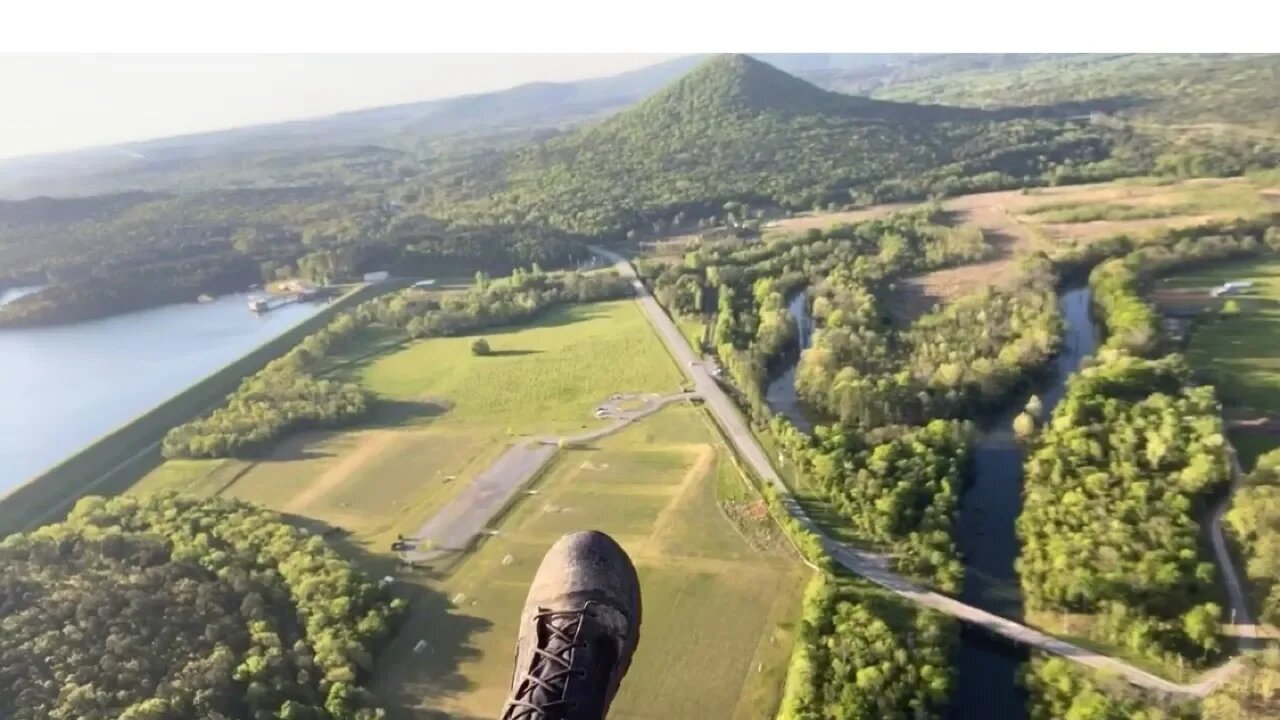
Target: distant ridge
736,130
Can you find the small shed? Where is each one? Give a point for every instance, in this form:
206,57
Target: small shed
377,277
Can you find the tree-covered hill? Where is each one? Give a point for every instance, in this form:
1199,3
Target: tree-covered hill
736,129
1241,90
171,608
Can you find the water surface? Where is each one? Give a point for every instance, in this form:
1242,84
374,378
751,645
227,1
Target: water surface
780,395
986,686
62,387
987,668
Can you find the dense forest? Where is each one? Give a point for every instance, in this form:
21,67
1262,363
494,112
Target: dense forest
860,657
290,395
1132,443
895,485
1058,689
955,361
108,254
170,608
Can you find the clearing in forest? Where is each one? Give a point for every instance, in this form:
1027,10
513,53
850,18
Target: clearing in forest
1021,221
1239,354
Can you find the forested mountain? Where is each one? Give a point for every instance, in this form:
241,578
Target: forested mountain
737,129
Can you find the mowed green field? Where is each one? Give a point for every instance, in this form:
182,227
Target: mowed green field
371,484
1241,354
453,414
719,610
542,378
718,613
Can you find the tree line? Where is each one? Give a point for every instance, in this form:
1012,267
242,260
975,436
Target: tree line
1058,689
1118,284
290,394
108,254
860,657
1254,521
171,607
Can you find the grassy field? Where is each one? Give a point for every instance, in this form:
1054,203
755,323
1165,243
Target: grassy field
721,585
718,608
1241,354
445,415
542,378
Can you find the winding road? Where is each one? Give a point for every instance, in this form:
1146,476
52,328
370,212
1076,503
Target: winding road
873,567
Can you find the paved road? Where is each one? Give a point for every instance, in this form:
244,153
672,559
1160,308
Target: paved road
1247,637
456,525
871,566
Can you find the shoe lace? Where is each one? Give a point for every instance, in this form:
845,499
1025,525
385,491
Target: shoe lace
541,694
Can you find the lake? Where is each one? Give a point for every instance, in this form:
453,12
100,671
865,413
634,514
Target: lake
63,387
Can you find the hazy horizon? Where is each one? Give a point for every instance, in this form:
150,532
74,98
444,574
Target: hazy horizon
62,103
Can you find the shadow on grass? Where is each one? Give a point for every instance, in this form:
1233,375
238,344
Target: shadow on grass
350,369
558,317
302,446
391,413
407,683
511,353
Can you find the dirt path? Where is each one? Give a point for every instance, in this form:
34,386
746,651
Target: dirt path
371,444
688,485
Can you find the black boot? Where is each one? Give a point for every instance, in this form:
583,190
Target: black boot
579,628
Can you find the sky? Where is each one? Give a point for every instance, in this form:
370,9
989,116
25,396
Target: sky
65,102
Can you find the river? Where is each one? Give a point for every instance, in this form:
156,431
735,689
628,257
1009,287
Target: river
986,683
67,385
780,394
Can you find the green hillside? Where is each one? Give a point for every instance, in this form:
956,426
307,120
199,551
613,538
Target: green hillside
736,129
1171,89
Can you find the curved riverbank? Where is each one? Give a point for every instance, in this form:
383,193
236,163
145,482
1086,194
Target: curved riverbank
989,506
